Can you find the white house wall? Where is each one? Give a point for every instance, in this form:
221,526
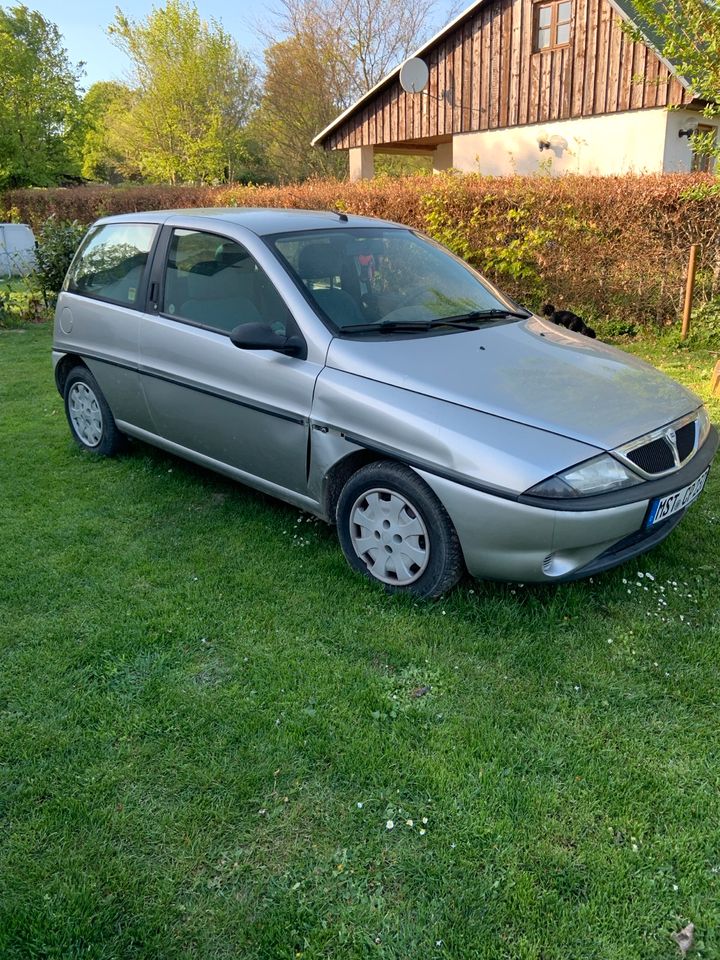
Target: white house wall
678,154
638,141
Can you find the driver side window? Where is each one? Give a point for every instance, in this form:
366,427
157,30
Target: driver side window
214,282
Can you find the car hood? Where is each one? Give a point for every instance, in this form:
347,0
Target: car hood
531,372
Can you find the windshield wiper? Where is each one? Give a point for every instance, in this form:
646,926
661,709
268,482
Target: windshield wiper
394,326
464,321
494,314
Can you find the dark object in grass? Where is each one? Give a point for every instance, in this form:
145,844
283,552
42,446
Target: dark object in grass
569,320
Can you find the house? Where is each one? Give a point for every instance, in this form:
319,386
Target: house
521,86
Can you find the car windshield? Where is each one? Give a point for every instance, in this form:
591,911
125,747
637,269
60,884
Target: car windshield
385,280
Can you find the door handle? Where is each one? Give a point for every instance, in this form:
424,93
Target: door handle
154,293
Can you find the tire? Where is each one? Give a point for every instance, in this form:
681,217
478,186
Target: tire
394,530
91,422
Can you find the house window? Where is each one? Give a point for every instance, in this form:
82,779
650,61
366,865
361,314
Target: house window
552,24
704,162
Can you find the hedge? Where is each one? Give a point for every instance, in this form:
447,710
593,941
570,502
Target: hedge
605,246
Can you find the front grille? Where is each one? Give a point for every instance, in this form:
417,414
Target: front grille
654,457
664,450
685,439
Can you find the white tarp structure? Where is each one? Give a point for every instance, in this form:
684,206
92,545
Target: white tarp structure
17,249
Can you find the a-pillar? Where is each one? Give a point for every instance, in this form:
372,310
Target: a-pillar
443,157
362,163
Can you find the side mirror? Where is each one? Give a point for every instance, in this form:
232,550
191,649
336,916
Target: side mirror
258,336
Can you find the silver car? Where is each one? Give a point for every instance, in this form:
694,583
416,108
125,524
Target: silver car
361,372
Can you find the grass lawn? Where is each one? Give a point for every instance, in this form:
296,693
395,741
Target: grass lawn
208,724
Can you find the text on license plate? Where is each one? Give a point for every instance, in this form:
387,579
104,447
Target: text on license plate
664,507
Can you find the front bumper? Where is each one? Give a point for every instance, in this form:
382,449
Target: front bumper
505,539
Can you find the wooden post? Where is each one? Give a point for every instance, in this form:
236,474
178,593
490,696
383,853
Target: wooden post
715,381
689,289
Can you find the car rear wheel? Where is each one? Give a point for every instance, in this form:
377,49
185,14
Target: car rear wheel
91,422
394,530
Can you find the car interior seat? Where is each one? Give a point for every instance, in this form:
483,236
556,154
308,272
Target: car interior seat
219,300
323,263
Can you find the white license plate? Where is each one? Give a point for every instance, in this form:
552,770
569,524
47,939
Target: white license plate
664,507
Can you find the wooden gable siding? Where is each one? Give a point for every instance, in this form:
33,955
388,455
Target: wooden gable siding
484,76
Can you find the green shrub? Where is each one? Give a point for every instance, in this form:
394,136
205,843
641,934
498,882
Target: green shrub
5,308
57,241
705,324
20,303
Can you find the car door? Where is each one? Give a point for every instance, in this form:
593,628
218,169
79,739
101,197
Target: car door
245,408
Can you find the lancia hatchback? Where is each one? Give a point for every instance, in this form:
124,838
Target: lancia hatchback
358,370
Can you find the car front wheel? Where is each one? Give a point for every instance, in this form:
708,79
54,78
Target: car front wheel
393,529
91,422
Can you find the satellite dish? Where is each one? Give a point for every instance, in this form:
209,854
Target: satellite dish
414,75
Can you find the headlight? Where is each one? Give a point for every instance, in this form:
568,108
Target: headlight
703,426
599,475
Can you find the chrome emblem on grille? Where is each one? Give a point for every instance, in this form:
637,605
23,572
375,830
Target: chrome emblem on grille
671,440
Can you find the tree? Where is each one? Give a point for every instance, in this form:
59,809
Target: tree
106,104
321,56
297,101
192,93
362,40
687,33
41,123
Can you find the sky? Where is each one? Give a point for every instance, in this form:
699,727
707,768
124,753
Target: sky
83,27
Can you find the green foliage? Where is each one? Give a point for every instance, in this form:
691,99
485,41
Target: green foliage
21,303
106,105
5,306
705,325
392,165
613,329
512,251
517,249
57,242
191,96
443,220
10,214
701,190
41,123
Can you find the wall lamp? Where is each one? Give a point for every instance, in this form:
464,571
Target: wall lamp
555,142
690,128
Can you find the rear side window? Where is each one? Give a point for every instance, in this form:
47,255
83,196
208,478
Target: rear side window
110,265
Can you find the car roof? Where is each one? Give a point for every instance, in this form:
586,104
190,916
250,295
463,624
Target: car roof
260,220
